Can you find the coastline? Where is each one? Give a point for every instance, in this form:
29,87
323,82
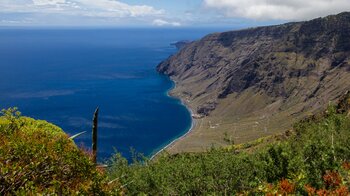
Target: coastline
193,122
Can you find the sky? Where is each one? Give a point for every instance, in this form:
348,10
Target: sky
164,13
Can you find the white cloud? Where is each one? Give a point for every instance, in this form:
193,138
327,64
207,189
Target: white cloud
97,8
161,22
278,9
48,2
117,8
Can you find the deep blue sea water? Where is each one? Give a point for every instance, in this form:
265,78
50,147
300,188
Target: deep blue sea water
62,75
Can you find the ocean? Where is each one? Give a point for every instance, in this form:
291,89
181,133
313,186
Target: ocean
61,75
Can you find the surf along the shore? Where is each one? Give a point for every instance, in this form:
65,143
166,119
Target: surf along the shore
183,135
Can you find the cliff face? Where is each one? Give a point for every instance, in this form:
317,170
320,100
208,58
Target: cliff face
255,82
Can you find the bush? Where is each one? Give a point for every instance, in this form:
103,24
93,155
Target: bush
38,157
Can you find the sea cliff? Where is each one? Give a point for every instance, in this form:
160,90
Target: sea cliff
256,82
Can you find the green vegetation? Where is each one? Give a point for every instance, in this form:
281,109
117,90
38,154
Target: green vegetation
313,159
38,157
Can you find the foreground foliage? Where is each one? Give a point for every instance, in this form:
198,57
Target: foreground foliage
314,160
38,157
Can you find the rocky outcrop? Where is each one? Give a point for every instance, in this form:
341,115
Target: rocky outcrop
181,44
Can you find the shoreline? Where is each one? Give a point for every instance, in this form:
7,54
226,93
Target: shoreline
193,122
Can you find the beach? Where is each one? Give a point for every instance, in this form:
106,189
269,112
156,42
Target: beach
194,122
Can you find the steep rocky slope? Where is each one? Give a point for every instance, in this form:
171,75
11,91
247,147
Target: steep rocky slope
255,82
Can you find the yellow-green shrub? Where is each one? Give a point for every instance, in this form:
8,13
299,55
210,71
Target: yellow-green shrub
38,157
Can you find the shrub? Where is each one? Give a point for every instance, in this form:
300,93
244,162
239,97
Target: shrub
38,157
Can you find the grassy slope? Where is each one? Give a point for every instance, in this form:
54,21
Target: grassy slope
314,157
